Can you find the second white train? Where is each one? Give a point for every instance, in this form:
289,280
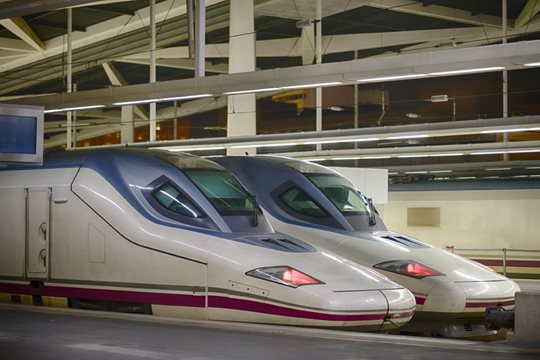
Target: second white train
317,204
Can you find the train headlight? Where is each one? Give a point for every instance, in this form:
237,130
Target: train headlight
408,268
284,275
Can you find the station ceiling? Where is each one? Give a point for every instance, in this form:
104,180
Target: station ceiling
111,45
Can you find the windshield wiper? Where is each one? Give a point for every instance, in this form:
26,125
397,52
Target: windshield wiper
371,211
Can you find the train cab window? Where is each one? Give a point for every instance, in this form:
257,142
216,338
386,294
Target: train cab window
222,189
172,199
301,202
342,195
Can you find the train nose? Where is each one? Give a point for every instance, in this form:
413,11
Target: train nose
365,310
471,296
401,306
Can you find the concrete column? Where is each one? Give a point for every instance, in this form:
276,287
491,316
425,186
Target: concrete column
127,129
241,109
69,80
318,55
153,112
200,38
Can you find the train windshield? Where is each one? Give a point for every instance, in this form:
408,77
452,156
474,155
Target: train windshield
339,191
223,190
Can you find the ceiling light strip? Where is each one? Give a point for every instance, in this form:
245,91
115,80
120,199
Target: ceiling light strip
148,101
75,108
467,71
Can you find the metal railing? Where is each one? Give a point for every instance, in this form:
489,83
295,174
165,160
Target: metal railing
505,252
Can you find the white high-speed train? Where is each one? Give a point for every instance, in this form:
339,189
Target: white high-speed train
319,205
172,234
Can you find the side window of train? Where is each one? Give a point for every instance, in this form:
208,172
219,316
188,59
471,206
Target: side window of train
172,199
299,201
169,200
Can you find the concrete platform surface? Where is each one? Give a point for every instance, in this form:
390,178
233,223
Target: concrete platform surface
30,332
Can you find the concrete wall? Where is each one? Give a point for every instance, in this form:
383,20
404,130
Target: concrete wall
527,315
471,219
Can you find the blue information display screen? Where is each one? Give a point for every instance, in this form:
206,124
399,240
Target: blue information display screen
18,134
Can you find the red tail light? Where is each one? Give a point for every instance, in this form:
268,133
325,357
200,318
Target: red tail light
284,275
408,268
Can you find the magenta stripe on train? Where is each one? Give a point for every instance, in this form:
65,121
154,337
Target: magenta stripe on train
241,304
183,300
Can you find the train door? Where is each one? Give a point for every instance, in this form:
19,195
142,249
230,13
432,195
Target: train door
37,232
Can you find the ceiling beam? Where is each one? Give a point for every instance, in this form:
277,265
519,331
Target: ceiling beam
108,29
111,9
18,26
186,64
530,10
512,56
439,12
56,25
11,8
442,129
15,45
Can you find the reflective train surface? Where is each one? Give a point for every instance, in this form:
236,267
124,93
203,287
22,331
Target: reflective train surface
319,205
172,234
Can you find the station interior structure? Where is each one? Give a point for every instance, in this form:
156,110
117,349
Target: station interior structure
443,94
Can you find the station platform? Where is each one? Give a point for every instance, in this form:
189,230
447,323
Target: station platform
32,332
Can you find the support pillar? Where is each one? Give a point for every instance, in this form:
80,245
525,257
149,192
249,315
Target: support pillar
153,112
69,80
318,50
127,132
505,72
241,109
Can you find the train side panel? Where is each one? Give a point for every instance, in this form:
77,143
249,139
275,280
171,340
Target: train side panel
12,232
87,258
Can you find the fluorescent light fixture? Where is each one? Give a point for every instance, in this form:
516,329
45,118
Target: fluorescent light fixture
135,102
533,168
509,130
416,172
376,157
339,141
262,145
75,108
498,169
147,101
314,159
439,98
523,151
466,71
440,171
392,77
413,156
203,148
447,154
186,97
331,83
487,152
346,158
466,177
393,173
250,91
532,64
407,137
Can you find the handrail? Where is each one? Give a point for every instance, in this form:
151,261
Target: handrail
504,251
